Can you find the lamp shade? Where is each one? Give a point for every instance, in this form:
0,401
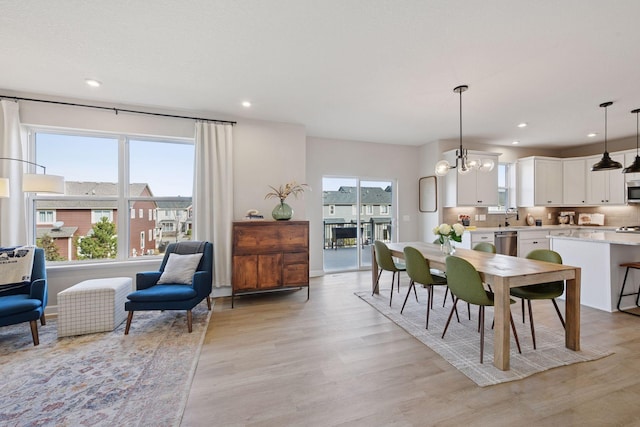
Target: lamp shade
606,163
34,183
4,188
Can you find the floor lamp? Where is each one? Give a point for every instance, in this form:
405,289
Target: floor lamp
32,182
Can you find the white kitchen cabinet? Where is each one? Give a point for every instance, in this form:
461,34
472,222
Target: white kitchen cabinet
540,181
531,240
605,187
574,184
482,237
474,188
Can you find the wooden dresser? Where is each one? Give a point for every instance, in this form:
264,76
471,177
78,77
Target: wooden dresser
269,256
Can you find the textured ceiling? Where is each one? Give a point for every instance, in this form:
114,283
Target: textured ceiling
369,70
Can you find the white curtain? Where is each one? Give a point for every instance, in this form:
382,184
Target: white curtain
213,195
13,229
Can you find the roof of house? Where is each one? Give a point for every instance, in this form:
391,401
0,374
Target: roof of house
91,188
347,196
56,233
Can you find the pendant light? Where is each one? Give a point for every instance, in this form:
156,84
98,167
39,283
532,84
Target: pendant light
635,166
606,163
463,164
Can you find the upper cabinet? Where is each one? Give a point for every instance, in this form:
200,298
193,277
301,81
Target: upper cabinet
605,187
574,184
474,188
539,181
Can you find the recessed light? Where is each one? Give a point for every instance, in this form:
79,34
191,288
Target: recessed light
515,142
522,125
93,82
246,104
592,134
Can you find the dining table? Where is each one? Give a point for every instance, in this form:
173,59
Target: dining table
503,272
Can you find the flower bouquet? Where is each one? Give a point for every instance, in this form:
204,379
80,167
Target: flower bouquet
446,233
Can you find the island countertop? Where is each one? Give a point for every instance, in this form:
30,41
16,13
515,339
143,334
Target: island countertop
604,236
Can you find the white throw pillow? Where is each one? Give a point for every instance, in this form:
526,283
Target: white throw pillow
16,265
180,269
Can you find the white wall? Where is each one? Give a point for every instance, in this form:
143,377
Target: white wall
331,157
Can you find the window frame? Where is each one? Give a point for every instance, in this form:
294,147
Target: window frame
123,199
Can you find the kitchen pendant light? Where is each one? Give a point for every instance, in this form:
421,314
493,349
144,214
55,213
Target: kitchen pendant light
606,163
463,164
635,166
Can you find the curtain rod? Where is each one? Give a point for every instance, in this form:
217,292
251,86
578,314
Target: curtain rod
114,109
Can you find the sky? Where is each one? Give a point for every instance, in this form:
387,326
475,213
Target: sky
166,167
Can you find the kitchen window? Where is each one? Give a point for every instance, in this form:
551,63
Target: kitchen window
506,188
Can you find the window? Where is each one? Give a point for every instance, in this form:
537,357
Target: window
332,209
506,188
384,209
92,165
98,214
46,217
369,209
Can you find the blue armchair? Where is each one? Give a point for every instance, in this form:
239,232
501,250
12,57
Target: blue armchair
26,303
150,295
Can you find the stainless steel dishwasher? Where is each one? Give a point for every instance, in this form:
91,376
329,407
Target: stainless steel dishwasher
507,242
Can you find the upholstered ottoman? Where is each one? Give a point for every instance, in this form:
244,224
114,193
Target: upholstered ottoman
93,306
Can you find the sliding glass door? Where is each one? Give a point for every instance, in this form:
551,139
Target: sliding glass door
356,212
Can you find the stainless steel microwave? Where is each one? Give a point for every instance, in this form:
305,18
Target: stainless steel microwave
633,191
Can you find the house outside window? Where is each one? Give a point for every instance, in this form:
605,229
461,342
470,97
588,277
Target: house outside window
46,217
98,214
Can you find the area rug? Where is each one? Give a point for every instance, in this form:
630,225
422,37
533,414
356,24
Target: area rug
102,379
461,345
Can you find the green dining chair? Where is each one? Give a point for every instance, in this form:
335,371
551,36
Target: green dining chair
465,284
485,247
419,272
541,291
386,263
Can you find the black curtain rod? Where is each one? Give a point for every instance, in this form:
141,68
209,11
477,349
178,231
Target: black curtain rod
114,109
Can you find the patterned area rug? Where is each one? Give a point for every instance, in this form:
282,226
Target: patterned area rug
102,379
461,345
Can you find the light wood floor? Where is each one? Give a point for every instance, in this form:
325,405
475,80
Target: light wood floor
279,360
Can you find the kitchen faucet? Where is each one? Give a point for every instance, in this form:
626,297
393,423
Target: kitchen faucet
507,216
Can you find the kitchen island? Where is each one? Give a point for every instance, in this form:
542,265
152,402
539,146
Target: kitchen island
599,255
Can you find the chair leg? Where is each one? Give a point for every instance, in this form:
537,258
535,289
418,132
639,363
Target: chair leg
523,310
43,321
377,283
455,301
34,332
393,279
469,310
209,302
555,304
446,292
189,321
415,293
126,328
533,331
429,302
412,284
481,333
515,334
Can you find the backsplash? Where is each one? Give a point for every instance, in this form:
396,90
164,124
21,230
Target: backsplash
614,216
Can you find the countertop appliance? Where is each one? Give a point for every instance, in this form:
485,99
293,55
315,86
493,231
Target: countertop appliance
507,242
628,229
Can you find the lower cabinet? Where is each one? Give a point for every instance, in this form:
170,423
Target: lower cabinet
530,240
269,256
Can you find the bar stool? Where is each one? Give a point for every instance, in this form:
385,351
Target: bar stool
629,265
